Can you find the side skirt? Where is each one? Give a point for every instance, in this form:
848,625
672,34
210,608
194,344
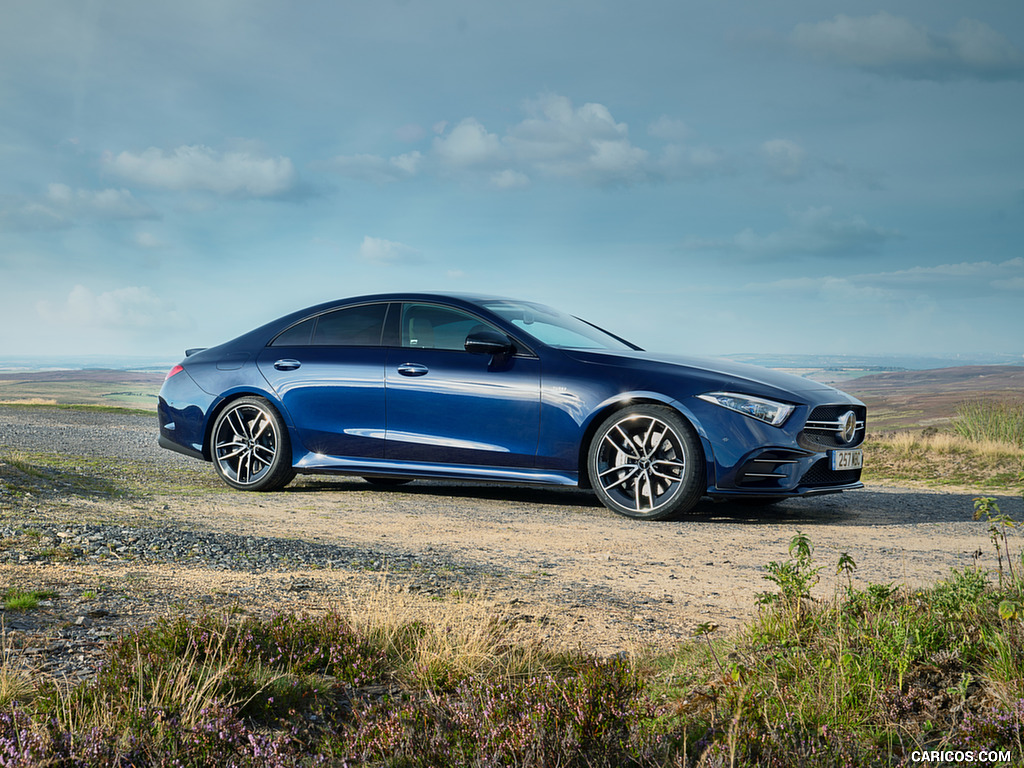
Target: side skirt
319,464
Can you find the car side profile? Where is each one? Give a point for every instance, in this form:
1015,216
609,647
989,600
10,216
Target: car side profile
398,387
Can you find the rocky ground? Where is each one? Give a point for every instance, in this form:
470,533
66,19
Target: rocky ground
120,533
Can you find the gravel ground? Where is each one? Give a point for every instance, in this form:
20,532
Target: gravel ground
123,532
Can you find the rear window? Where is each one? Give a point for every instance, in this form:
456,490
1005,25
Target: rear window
349,327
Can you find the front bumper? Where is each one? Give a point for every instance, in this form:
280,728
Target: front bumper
753,459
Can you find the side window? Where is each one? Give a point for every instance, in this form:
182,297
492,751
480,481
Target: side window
428,326
299,335
351,327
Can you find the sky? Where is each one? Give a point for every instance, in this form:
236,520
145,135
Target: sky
699,177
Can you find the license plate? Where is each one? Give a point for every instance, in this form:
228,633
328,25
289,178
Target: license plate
852,459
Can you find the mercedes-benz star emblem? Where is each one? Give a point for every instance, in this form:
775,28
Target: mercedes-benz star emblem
848,426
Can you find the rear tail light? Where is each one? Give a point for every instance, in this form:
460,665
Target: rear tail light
173,372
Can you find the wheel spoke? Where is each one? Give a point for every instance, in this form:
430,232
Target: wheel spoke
267,453
670,478
628,448
263,425
650,489
237,452
617,468
238,425
647,437
669,462
623,479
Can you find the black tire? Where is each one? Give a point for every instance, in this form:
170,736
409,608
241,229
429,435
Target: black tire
250,446
388,482
646,462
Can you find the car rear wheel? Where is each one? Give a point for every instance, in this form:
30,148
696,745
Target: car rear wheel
251,450
645,461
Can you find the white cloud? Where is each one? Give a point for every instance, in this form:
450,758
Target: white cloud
237,173
962,279
106,203
130,309
509,179
148,241
669,129
940,282
468,144
784,159
556,139
20,216
814,231
381,251
62,206
377,169
896,46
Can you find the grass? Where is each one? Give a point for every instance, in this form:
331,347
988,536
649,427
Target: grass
19,600
981,421
944,458
984,448
860,678
124,410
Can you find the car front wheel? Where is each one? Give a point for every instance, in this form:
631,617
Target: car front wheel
645,461
251,450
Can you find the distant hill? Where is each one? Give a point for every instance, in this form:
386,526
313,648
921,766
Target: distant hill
923,398
876,362
121,389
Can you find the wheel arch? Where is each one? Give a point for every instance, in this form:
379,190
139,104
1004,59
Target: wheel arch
645,398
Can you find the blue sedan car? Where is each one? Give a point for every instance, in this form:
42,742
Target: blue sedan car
403,386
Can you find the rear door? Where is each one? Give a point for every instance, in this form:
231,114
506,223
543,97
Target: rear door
328,371
447,406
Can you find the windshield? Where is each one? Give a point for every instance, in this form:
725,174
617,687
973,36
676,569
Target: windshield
554,328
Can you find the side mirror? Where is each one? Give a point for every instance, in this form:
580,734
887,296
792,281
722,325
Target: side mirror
489,343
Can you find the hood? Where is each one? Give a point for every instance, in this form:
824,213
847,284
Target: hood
786,382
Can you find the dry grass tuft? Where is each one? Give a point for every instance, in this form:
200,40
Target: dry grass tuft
944,458
442,641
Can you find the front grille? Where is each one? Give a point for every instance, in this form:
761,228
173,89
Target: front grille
822,474
822,429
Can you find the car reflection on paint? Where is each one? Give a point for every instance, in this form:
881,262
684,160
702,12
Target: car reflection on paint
403,386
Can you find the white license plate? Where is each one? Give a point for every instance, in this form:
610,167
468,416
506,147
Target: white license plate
852,459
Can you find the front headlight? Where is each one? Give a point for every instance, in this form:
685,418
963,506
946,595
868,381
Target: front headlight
768,411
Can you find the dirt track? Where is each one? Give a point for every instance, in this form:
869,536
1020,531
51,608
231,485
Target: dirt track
555,559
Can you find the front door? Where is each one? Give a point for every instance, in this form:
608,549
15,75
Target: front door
448,406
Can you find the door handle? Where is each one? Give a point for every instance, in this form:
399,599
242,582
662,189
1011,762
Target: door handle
287,365
412,369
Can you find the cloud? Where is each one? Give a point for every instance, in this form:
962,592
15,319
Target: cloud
815,231
963,280
468,144
669,129
556,139
784,159
235,174
131,309
377,169
106,203
148,241
508,179
62,206
381,251
894,46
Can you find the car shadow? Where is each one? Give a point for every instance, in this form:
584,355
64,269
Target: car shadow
864,507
